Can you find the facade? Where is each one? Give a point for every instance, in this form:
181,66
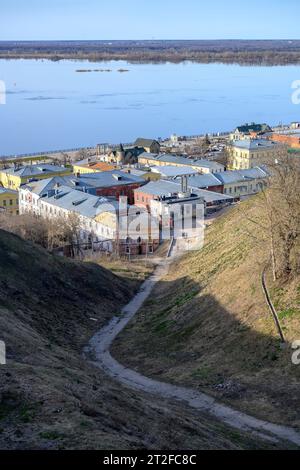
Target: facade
9,201
247,131
149,145
13,178
249,153
202,165
290,138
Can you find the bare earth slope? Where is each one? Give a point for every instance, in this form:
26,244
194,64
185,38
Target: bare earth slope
207,326
50,397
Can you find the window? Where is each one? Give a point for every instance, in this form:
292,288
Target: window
4,202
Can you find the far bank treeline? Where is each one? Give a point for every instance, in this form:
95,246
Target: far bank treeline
242,52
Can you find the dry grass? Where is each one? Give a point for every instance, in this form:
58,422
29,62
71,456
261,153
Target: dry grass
207,325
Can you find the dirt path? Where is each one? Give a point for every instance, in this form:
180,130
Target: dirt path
99,346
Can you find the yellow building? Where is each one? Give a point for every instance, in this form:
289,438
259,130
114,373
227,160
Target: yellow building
13,178
248,153
84,167
9,201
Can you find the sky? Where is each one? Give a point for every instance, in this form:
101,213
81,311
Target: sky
148,19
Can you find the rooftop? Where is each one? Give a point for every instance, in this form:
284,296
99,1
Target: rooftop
101,166
181,160
34,170
254,144
84,204
10,191
168,188
107,179
173,171
141,142
237,176
204,181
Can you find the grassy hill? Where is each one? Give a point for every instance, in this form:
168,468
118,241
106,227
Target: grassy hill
50,397
207,324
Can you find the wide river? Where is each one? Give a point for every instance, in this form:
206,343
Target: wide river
50,106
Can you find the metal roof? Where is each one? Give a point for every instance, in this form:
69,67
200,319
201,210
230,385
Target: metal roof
84,204
204,180
254,144
173,171
237,176
6,190
180,160
107,178
165,188
34,170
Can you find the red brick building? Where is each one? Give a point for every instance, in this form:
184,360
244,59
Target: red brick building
120,190
291,138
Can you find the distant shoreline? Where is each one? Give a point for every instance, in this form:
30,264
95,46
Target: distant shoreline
276,52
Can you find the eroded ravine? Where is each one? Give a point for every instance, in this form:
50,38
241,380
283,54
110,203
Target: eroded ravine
99,349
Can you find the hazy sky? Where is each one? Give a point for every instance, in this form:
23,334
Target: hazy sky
147,19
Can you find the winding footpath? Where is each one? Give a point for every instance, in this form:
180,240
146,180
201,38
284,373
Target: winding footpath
99,347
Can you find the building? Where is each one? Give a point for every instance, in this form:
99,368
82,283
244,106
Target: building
99,218
202,165
90,166
163,190
9,201
209,182
289,137
61,201
247,131
114,183
248,153
149,145
240,183
13,178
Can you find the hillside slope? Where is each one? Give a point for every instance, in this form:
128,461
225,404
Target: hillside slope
207,324
50,398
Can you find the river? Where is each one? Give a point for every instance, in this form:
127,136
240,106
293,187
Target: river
49,105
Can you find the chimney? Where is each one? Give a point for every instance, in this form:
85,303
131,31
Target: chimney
184,184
